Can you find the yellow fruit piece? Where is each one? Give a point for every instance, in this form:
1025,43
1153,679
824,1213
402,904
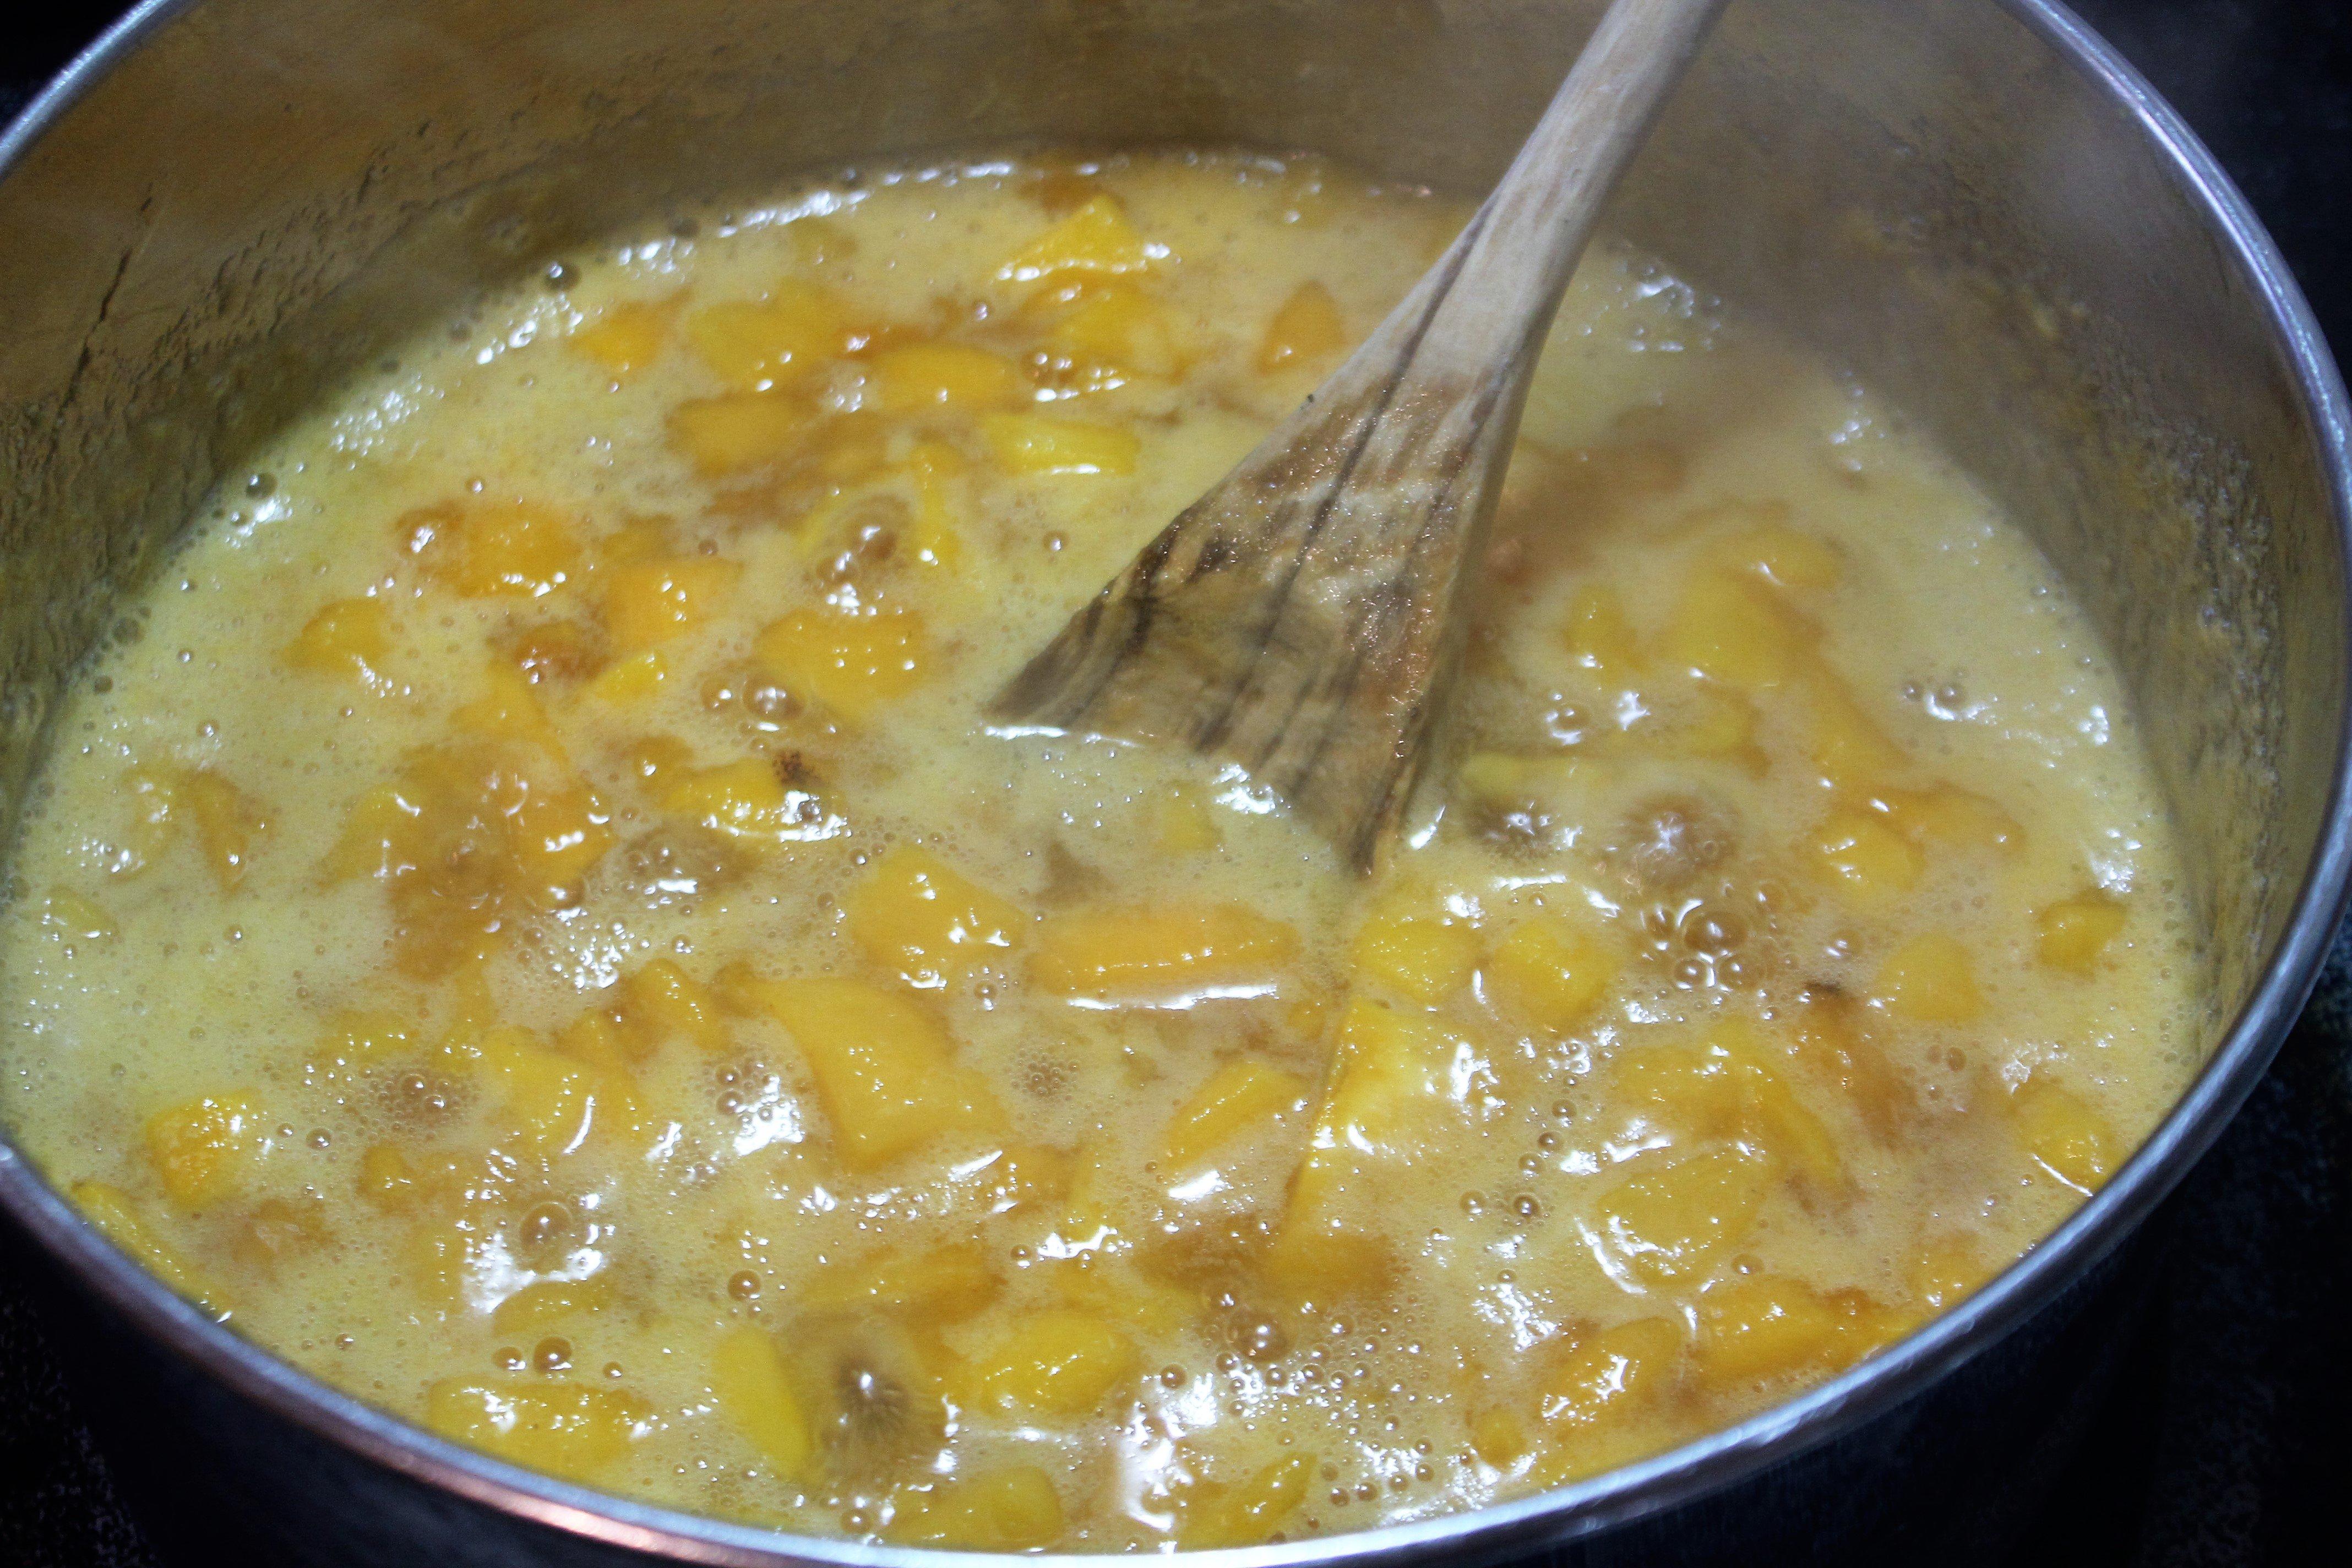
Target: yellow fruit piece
1929,980
1162,955
550,1099
1183,823
388,1179
918,916
650,602
1499,1436
1243,1515
230,824
1117,327
914,378
1096,238
1945,1272
1605,1375
1009,1508
201,1150
747,802
569,1429
885,1070
660,1001
509,710
1780,1122
1732,629
1552,972
538,1309
1859,853
79,917
1056,1361
1712,722
941,1284
155,820
1032,444
1306,332
2073,934
116,1217
1947,814
1780,555
515,549
555,839
1764,1326
1425,957
738,431
2064,1136
851,660
1241,1096
626,337
1113,1289
1668,1223
1845,744
348,637
1599,634
760,345
630,681
747,1372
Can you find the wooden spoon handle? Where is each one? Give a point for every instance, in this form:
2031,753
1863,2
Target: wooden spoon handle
1505,273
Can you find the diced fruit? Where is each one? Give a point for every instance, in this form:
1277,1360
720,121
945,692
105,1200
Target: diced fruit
918,915
1183,823
1010,1508
1602,1375
1161,956
1780,555
1715,721
626,337
738,431
660,1001
559,651
1929,980
1035,444
885,1070
550,1099
1668,1222
758,345
569,1429
1500,1436
201,1149
1117,327
1846,744
747,1372
1779,1119
1948,815
650,602
942,1284
1245,1513
2064,1136
2073,934
1861,854
153,799
1425,957
914,378
1945,1272
537,1309
1097,239
1240,1098
112,1210
1732,629
1833,1040
1599,634
1553,971
350,637
388,1179
1058,1361
632,679
1306,332
851,660
79,918
492,549
747,802
1764,1326
230,824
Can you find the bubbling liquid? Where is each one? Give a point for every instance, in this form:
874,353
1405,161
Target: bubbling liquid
536,933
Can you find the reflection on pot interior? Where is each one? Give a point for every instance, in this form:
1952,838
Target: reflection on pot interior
538,933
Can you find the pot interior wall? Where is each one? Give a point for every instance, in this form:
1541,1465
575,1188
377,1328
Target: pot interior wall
270,191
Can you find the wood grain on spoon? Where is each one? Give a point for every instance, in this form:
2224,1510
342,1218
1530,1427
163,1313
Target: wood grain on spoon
1306,616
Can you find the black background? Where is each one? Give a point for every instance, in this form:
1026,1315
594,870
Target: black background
2226,1441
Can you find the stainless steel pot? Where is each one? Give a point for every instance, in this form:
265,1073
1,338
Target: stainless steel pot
1969,201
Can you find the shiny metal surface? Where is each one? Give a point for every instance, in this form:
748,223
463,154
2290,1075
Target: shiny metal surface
1969,201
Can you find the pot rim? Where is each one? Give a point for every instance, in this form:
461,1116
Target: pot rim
1602,1502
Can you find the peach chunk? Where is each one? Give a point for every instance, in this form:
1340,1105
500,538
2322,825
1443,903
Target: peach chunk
1598,1393
201,1149
915,914
1241,1096
1780,555
885,1070
1034,445
1599,635
77,917
747,1372
515,549
1427,957
1858,853
626,337
659,1001
1668,1222
1242,1514
1006,1508
1948,815
2064,1136
1056,1361
757,345
650,602
1095,239
915,378
1553,971
2073,934
738,431
350,637
1306,331
1732,629
748,803
569,1429
1762,1326
112,1211
944,1284
1929,980
851,660
230,824
1160,955
1117,327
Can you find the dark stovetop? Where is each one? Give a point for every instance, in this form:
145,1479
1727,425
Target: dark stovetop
2226,1441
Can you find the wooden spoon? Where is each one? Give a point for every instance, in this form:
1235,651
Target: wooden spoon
1305,616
